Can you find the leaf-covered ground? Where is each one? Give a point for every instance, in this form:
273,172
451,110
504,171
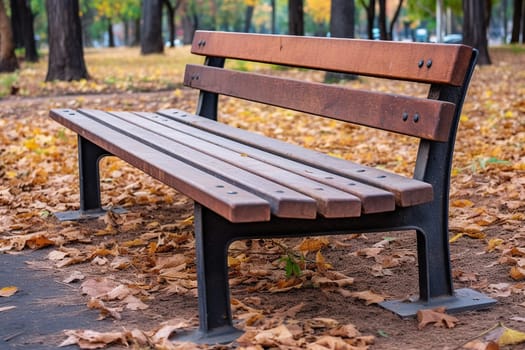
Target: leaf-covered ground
138,268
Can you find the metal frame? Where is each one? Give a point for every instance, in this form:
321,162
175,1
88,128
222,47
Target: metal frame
89,156
430,221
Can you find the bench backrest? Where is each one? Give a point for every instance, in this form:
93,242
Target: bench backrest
434,64
434,119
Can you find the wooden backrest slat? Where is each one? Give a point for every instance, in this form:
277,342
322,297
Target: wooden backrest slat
422,62
424,118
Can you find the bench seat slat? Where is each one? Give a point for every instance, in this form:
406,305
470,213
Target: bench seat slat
407,191
389,59
248,173
380,110
373,199
233,203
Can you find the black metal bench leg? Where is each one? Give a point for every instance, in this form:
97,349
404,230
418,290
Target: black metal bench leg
215,318
89,156
435,275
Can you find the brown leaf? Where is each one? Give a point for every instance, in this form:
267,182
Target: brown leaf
313,244
87,339
436,316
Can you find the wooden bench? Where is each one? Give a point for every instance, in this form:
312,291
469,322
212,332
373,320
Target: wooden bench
250,186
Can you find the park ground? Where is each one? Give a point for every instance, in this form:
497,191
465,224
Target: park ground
136,270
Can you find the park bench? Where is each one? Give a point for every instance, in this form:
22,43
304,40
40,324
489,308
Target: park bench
246,185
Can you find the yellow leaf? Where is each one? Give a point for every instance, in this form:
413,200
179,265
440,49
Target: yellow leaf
511,337
313,244
455,238
462,203
321,262
8,291
476,235
493,243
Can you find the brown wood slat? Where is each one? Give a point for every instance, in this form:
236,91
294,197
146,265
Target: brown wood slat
283,201
387,59
407,191
424,118
227,200
233,166
373,199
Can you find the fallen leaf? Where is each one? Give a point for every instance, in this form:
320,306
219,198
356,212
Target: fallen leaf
74,277
8,291
436,316
367,296
87,339
504,336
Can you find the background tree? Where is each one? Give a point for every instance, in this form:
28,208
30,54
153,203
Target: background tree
151,27
475,24
370,9
342,25
250,6
295,17
171,9
518,21
22,20
385,30
66,52
8,61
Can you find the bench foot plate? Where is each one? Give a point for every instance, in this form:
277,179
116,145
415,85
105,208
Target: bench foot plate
464,299
76,215
222,335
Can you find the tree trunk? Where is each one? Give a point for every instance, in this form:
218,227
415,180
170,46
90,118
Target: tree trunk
248,18
383,33
342,25
111,35
394,20
274,30
370,16
475,24
16,24
295,17
516,21
66,52
22,20
136,33
151,27
8,61
523,24
171,21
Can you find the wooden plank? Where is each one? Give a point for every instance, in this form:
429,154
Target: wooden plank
388,59
407,191
284,202
424,118
247,173
231,202
373,199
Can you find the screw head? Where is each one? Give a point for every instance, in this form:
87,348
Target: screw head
405,116
416,117
421,63
429,63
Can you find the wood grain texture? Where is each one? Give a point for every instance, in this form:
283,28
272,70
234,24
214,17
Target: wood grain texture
406,191
388,59
373,199
229,201
424,118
